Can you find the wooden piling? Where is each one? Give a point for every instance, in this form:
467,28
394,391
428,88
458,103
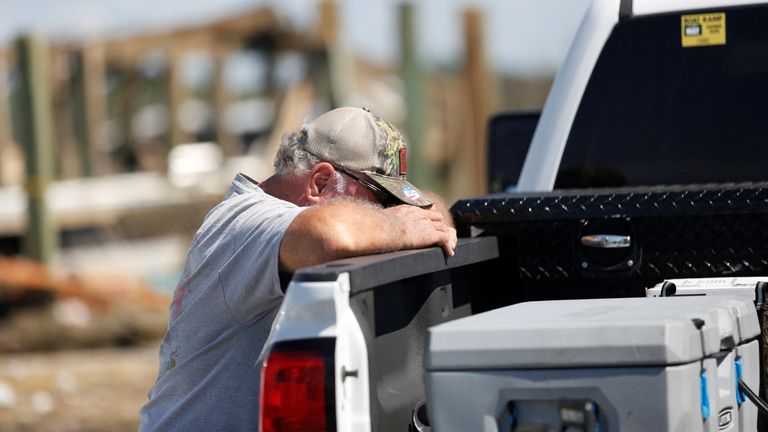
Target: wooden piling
41,239
6,136
479,98
339,62
79,116
420,171
177,92
65,143
221,100
94,151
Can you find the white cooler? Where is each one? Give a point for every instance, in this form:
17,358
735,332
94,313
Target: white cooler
749,288
630,364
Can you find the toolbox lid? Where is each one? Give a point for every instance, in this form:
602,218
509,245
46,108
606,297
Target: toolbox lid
588,333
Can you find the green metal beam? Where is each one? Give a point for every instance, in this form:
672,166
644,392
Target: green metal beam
36,135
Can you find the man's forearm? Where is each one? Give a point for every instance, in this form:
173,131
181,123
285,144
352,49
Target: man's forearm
346,228
336,230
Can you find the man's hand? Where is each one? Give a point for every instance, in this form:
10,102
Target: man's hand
439,205
423,228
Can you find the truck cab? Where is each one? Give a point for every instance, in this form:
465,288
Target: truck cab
650,93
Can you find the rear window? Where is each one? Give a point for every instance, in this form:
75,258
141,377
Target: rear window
655,112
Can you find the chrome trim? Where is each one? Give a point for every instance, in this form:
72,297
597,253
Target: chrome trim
606,241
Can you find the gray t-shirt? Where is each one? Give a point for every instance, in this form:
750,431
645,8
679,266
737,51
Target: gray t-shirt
221,316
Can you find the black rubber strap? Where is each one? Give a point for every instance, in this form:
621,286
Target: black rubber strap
761,405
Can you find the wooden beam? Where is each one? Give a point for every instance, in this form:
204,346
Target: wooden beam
229,31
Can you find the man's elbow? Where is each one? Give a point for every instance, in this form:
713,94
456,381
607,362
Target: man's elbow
316,241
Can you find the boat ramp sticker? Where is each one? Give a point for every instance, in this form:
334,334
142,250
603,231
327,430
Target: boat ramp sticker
703,29
411,193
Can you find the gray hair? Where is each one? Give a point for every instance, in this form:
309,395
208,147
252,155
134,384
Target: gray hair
293,159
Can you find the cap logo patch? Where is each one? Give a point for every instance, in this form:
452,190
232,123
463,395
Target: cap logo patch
403,161
411,192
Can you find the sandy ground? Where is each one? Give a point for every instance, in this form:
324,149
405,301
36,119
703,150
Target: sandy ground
100,389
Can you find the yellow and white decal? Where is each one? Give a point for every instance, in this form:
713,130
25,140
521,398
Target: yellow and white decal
703,29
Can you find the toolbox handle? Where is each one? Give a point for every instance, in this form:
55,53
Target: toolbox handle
606,241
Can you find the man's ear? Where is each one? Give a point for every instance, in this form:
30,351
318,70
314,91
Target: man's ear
322,181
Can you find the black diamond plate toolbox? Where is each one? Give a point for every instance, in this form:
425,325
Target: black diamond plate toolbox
614,243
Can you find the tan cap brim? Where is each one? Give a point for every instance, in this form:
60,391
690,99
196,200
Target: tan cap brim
401,189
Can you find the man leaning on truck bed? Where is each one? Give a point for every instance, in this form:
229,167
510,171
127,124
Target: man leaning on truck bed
339,190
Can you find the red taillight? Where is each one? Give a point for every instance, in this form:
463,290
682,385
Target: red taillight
293,392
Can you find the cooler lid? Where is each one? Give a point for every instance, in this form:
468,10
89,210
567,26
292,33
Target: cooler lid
584,333
746,326
739,288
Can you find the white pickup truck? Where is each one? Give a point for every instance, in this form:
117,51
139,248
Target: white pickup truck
646,164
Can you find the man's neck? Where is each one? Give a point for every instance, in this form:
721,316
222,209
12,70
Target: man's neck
285,187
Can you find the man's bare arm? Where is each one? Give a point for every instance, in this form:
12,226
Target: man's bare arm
346,228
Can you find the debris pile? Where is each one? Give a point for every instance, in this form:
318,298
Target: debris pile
43,309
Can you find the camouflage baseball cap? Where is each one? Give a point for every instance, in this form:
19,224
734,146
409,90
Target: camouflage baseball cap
357,140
